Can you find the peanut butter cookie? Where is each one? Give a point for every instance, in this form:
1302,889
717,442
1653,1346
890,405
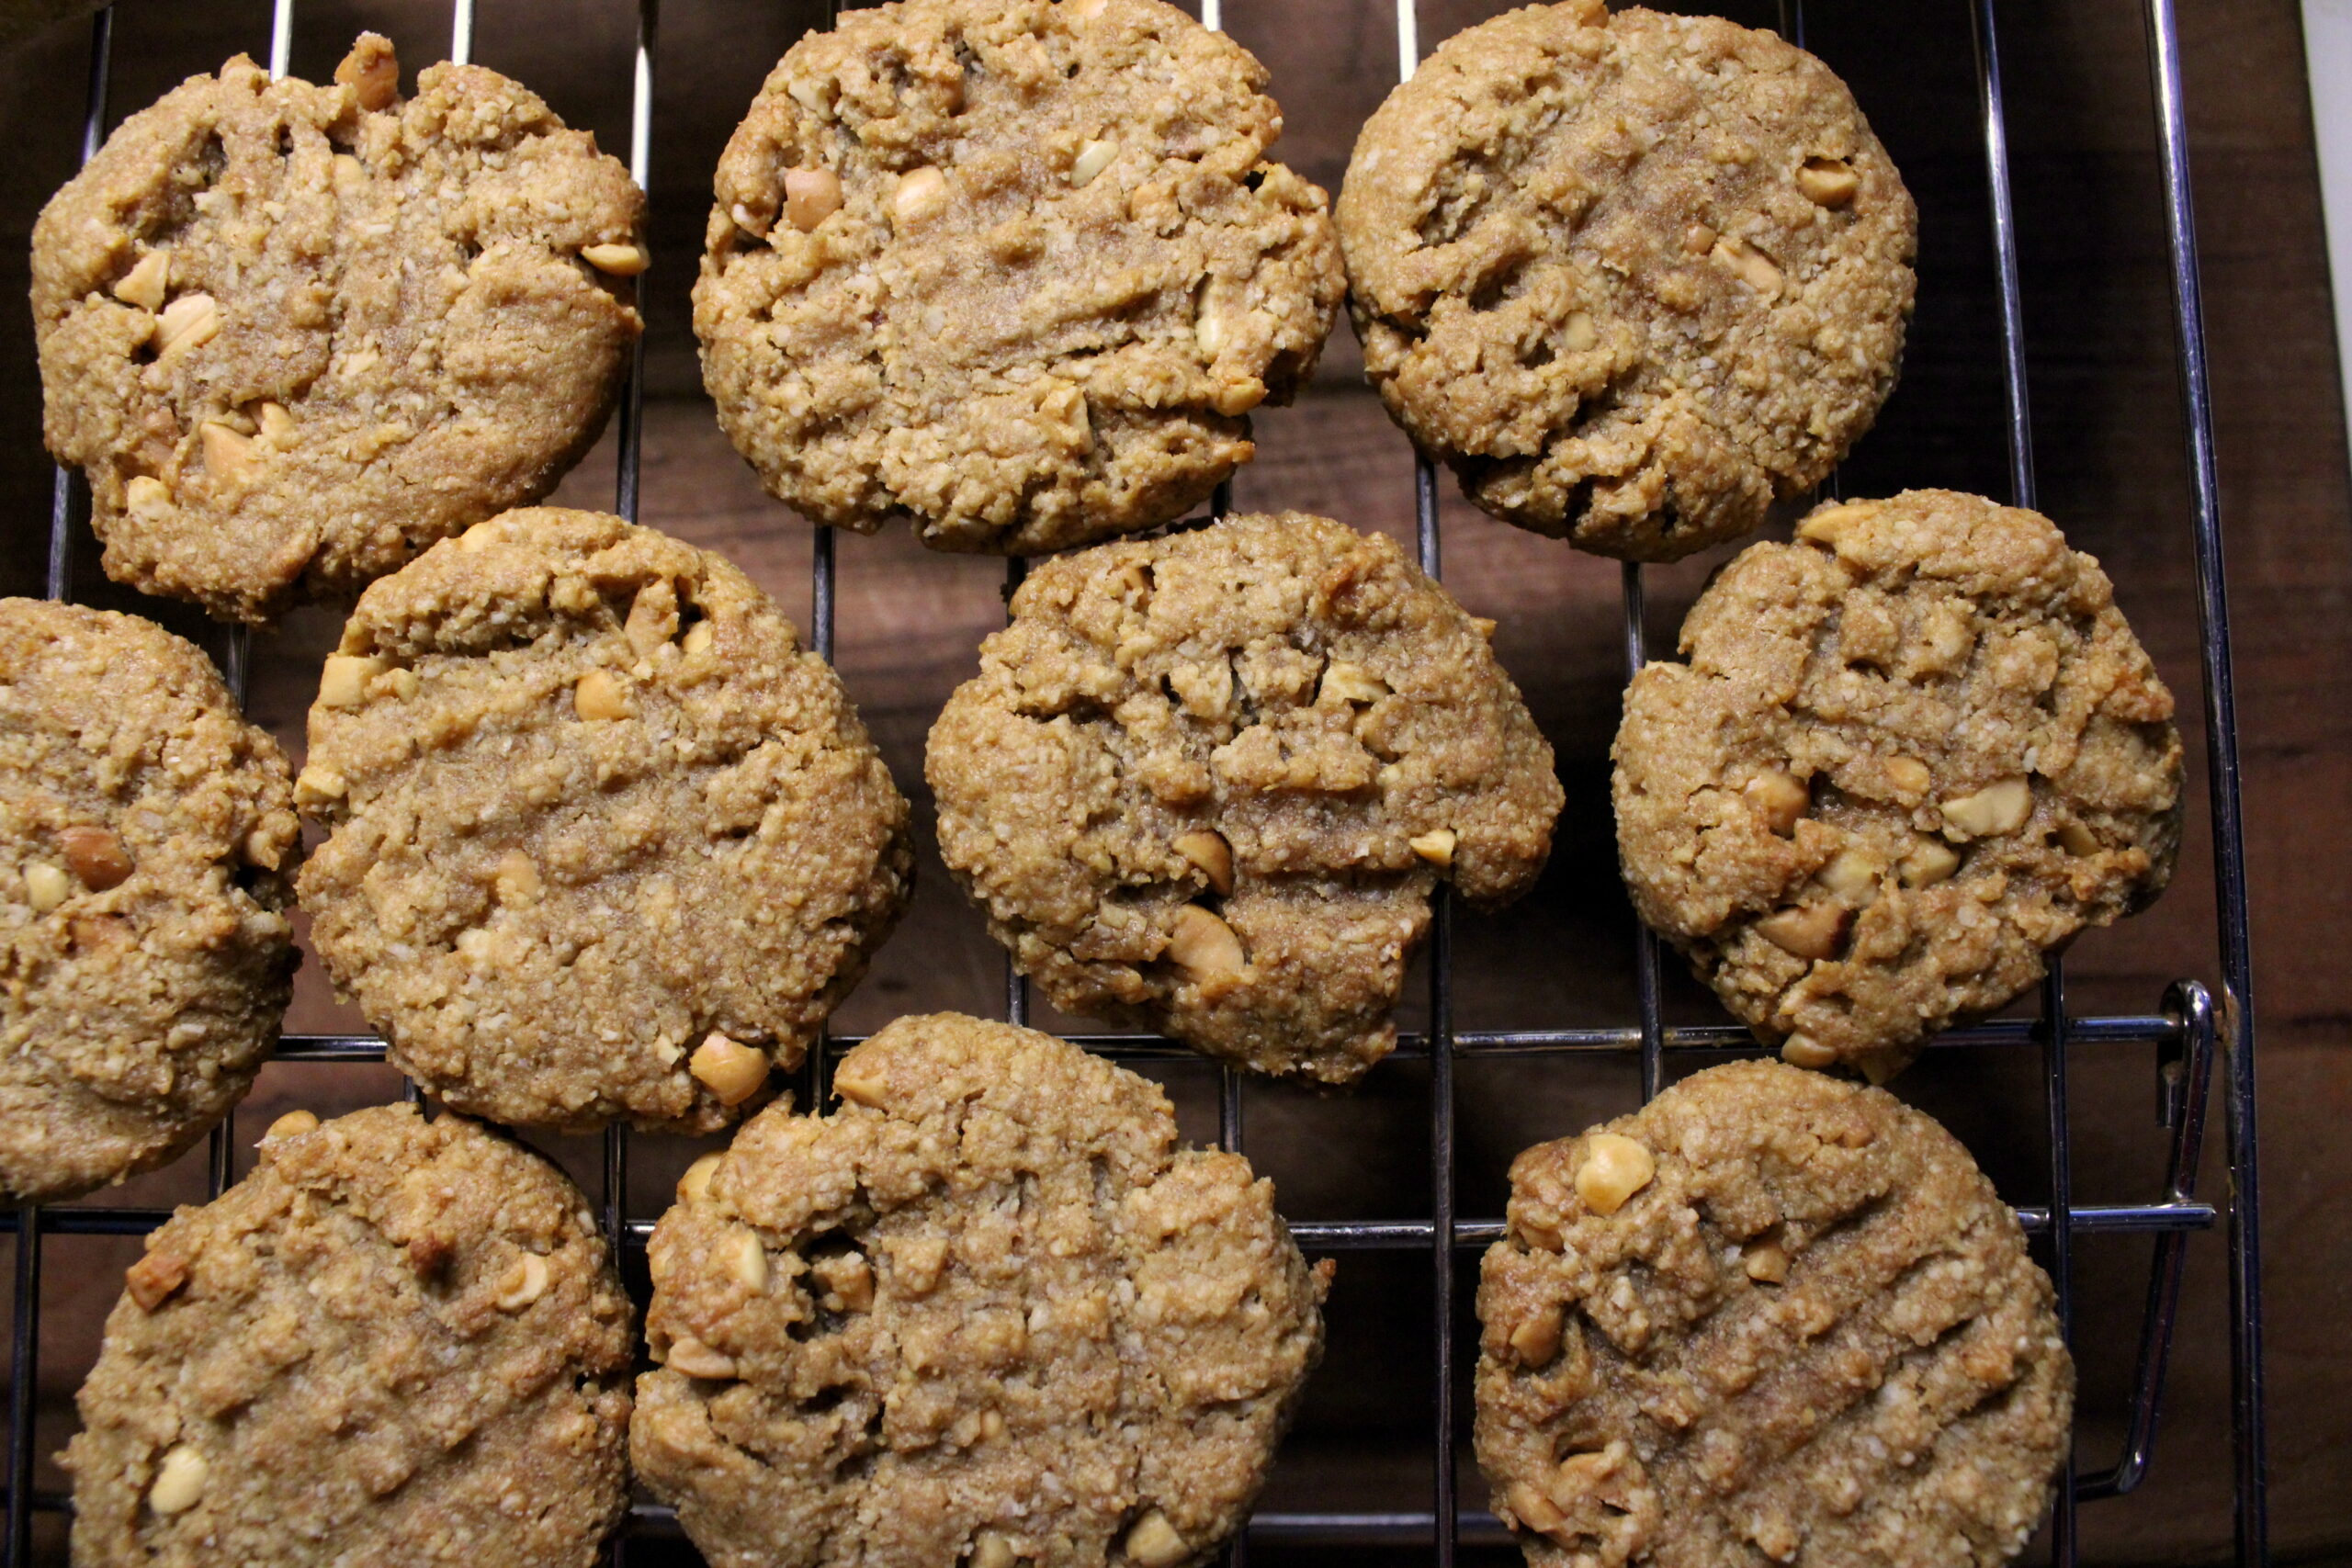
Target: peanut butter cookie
395,1341
603,843
147,845
984,1312
1632,275
296,333
1015,270
1911,753
1771,1316
1208,784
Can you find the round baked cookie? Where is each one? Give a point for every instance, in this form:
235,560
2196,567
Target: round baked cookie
1772,1316
296,333
605,843
395,1341
147,845
987,1312
1208,784
1015,270
1912,752
1632,276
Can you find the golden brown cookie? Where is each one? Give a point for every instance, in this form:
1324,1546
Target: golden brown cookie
1770,1317
147,846
605,843
1912,753
1208,784
395,1341
984,1312
296,333
1632,275
1015,270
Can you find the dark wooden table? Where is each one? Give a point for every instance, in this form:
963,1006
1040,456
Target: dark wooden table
2107,429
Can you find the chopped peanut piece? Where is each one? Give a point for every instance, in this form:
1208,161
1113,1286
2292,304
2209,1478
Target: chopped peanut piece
2077,839
1206,950
1207,849
855,1086
46,887
991,1549
1533,1509
746,1261
599,696
228,456
732,1072
698,638
293,1124
1929,864
517,880
1092,158
2000,807
1830,181
147,281
1351,684
1536,1338
619,260
147,496
1751,265
277,425
525,1283
343,683
1828,525
1779,798
695,1182
372,71
1851,872
1154,1543
179,1480
1808,931
1766,1262
1698,239
1576,333
1798,1051
1233,399
810,196
696,1360
920,192
96,856
188,323
318,783
1908,774
1613,1168
154,1278
1436,846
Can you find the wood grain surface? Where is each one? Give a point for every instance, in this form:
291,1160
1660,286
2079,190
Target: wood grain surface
2107,433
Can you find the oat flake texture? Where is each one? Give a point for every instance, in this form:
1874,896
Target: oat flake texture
1039,272
1634,277
296,333
147,847
394,1342
984,1312
1911,753
1811,1334
591,805
1209,783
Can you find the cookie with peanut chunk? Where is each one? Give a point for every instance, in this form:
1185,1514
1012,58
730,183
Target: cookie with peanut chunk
1209,783
147,850
1017,271
987,1312
1911,753
394,1341
1632,275
604,843
295,333
1771,1316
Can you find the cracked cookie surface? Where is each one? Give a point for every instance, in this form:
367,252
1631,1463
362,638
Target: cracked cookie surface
393,1341
147,847
605,843
1209,783
1017,271
1910,754
1770,1317
296,333
985,1312
1634,277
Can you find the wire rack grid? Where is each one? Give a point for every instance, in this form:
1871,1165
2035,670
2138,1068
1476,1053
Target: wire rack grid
2195,1028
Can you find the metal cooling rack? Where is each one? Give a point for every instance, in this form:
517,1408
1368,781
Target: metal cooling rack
2192,1025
